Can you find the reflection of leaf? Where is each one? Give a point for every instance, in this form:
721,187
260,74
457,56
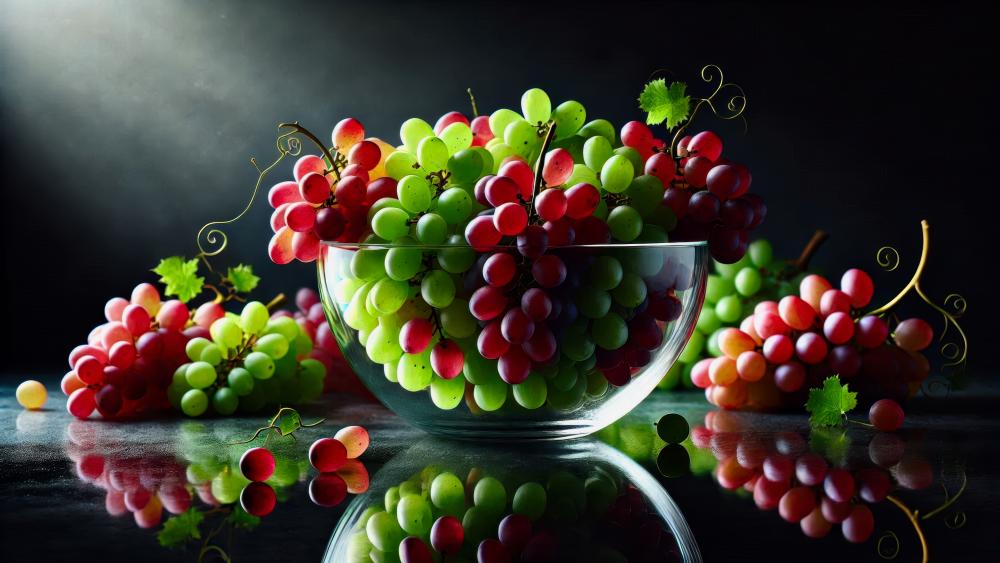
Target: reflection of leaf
828,404
177,530
288,422
242,278
242,519
831,443
180,276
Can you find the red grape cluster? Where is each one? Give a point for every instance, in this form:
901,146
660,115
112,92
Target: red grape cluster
128,362
709,194
329,200
785,347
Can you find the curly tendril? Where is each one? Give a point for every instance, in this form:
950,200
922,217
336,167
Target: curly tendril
735,106
894,546
887,258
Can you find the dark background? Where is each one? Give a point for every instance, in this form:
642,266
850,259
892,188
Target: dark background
127,125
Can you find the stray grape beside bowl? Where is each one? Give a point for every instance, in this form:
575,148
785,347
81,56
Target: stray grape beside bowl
620,315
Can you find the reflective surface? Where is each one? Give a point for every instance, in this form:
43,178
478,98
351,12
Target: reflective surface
70,487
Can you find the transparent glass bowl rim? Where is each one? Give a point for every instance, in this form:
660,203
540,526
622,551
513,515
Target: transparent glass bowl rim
607,246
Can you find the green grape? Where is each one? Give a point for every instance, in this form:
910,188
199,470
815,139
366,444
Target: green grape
632,155
274,345
414,370
409,487
413,131
487,161
500,151
457,321
194,402
708,321
226,333
457,137
212,354
200,375
447,393
601,493
730,270
625,223
569,117
384,532
437,289
500,119
383,345
567,495
606,273
390,223
195,347
601,212
366,515
414,193
565,377
610,332
478,525
576,343
285,326
490,396
535,106
400,164
646,196
175,392
259,364
227,486
356,316
240,381
448,493
454,206
388,295
760,253
225,401
631,292
672,377
529,500
391,499
717,287
358,546
479,370
403,261
522,137
458,258
583,174
431,229
389,370
596,151
592,302
729,309
748,282
712,343
382,203
313,370
601,127
570,399
616,174
254,317
532,392
414,515
597,384
490,495
466,166
368,264
692,351
432,154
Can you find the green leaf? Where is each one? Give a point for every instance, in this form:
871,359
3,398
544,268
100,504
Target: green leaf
828,404
831,443
662,103
180,276
242,519
177,530
242,278
289,422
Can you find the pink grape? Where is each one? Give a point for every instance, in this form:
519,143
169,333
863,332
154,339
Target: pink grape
447,119
122,354
699,373
810,469
114,332
305,246
380,188
415,335
510,219
481,234
347,133
173,315
637,135
858,285
913,335
814,525
307,164
536,304
522,175
558,167
581,201
767,493
499,269
514,365
516,326
327,489
705,144
859,524
278,217
751,366
778,349
480,190
662,166
447,359
481,132
258,499
835,512
70,382
501,190
414,550
834,301
447,535
81,403
355,439
796,312
886,415
490,342
789,377
365,154
550,204
147,296
812,288
696,171
257,464
208,313
300,217
282,193
355,170
811,348
487,303
136,319
108,401
778,467
305,298
838,328
314,187
797,503
548,271
768,324
114,308
839,485
871,332
351,191
89,369
327,454
279,249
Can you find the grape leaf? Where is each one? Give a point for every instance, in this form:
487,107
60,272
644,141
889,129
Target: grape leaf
832,443
242,278
665,103
289,422
828,404
177,530
180,276
242,519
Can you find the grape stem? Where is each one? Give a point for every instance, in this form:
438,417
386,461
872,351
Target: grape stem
334,163
472,100
817,240
550,134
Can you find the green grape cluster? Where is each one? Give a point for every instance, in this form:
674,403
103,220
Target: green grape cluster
252,360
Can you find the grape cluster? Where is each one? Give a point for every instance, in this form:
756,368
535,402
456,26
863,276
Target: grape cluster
247,361
438,515
787,346
126,365
816,491
468,272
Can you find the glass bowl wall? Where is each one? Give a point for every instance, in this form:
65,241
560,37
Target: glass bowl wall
574,405
598,505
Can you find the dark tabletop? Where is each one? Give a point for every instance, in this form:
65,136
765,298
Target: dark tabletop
50,510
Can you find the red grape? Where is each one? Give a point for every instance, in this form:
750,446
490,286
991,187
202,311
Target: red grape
327,454
415,335
257,464
490,342
499,269
548,271
258,499
859,524
365,154
705,144
871,332
447,535
327,489
838,328
797,503
858,286
551,204
581,201
913,335
839,485
886,415
447,359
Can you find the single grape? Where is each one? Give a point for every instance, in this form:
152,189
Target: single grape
258,499
672,428
447,535
327,454
886,415
257,464
31,394
194,402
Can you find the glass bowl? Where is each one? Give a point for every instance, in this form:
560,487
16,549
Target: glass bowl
619,316
585,501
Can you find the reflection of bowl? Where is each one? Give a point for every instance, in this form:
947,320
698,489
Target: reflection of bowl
599,505
606,348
